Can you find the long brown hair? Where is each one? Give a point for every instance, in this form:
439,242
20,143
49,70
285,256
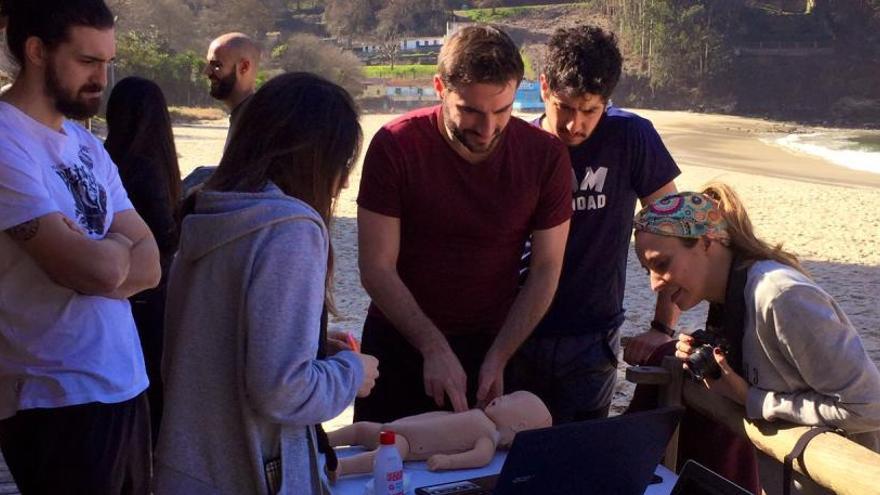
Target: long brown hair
139,126
743,240
301,132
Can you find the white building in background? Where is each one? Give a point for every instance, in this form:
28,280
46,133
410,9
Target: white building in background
422,43
409,44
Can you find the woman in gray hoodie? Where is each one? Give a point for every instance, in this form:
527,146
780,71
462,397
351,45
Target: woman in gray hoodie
246,293
792,354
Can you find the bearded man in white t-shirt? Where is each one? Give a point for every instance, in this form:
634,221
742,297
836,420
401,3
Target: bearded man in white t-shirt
73,417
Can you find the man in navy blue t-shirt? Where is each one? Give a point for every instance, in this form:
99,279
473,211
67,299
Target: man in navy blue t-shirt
617,157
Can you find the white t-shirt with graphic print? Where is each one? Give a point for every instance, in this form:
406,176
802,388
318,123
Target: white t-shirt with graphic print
59,347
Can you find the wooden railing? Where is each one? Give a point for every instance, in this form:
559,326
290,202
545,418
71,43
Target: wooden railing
830,460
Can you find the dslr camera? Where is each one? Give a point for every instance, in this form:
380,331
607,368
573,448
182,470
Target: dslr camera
701,363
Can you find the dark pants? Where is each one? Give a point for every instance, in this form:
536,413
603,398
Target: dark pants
400,389
89,449
573,375
148,309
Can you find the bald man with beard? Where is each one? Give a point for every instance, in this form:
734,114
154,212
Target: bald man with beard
232,64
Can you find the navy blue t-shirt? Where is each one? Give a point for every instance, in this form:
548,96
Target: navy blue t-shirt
623,160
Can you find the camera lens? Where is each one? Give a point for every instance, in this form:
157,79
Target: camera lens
702,364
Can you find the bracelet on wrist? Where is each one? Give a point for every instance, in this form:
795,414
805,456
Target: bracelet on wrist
662,327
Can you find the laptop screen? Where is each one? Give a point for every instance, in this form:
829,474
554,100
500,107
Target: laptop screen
613,455
696,479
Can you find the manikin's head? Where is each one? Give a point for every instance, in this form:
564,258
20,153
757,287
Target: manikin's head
478,71
517,412
231,65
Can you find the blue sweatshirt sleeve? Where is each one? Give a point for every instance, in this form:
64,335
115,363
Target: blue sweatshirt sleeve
283,379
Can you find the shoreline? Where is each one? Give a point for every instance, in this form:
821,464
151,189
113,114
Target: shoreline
683,131
690,136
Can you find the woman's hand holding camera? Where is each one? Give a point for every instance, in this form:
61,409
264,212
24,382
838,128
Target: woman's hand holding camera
729,384
684,346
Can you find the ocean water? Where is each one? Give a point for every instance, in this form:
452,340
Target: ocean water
859,150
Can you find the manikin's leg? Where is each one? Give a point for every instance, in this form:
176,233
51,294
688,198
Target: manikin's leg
363,463
364,433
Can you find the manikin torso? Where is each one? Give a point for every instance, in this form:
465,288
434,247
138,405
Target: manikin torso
443,432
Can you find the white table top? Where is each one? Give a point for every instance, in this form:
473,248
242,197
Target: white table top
419,476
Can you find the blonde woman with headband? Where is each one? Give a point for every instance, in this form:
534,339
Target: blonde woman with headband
792,353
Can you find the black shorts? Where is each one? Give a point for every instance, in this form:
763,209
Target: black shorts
400,388
84,449
573,375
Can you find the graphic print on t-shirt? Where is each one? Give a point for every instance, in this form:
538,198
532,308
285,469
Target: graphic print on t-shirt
589,194
89,197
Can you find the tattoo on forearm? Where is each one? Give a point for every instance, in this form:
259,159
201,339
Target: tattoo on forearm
24,231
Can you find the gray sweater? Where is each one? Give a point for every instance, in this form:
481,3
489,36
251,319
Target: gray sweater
242,384
803,359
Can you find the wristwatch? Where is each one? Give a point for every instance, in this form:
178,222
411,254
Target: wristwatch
662,327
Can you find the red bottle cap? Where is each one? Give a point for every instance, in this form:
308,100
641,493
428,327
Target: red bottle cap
386,437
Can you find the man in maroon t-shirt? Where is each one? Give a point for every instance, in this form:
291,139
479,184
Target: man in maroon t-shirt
448,197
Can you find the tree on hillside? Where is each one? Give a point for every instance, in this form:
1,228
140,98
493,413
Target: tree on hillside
402,18
678,44
173,20
412,17
299,5
347,18
177,23
147,54
252,17
306,52
489,4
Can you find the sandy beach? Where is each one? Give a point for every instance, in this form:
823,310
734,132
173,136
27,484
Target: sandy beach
820,211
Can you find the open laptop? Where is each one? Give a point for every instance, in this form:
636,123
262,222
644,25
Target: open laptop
696,479
615,455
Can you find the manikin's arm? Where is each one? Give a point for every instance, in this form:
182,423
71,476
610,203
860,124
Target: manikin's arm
363,463
363,433
478,456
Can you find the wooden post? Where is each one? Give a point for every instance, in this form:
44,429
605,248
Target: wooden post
671,396
669,378
830,460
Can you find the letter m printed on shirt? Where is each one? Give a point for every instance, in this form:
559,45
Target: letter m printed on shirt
594,180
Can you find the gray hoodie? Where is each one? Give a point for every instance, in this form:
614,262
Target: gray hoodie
242,384
804,360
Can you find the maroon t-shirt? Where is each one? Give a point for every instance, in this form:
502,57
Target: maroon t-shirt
462,225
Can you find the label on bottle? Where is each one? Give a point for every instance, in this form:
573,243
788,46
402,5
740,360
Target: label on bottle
394,481
387,472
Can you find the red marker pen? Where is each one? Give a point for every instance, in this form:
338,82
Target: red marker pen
352,342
